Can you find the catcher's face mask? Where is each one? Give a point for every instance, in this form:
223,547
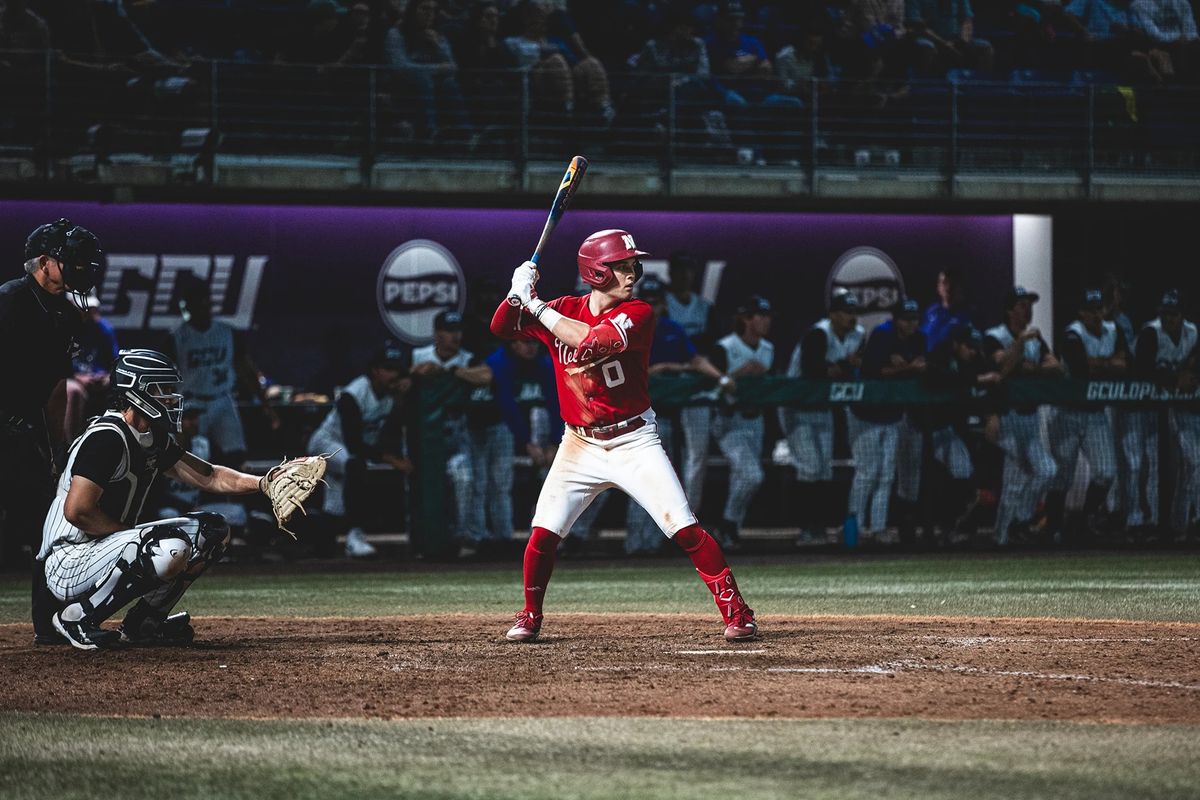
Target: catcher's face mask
148,381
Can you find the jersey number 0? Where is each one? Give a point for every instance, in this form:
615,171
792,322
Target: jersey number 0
614,374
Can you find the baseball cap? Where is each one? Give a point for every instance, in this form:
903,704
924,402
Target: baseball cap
448,320
651,288
1018,293
1171,301
390,355
843,300
754,304
1091,299
907,309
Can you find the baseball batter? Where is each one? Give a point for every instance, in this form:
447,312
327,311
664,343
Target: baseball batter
600,344
98,558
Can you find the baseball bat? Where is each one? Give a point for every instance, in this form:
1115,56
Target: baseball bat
566,190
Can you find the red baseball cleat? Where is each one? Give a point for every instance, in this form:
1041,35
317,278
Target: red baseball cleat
526,628
741,625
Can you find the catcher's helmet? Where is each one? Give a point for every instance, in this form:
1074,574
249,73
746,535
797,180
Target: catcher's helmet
76,248
147,380
603,248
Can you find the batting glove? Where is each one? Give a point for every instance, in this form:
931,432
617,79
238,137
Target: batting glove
523,280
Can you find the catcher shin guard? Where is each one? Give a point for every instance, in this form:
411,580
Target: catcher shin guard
738,616
158,558
209,534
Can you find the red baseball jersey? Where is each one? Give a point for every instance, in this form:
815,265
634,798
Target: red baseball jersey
613,386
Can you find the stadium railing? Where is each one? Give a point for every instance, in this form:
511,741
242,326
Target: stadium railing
66,121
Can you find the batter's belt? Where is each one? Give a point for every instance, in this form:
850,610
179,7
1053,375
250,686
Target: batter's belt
606,432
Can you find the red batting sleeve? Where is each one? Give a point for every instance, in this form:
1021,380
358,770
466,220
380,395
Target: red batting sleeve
513,322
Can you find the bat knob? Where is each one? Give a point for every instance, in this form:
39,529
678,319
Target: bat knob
514,301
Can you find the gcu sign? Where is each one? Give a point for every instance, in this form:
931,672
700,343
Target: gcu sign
845,392
139,289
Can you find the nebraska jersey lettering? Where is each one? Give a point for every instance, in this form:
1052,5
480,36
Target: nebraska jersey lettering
611,388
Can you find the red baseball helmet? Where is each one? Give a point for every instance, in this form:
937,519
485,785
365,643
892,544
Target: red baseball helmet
603,248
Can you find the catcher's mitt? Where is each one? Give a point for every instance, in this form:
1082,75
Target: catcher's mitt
290,484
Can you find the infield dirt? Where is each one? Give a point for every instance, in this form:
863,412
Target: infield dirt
459,665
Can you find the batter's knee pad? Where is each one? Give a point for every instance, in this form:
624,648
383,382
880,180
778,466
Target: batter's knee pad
209,534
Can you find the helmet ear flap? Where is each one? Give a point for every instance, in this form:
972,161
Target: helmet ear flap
638,270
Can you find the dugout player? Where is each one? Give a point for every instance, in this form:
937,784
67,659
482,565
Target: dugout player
1093,348
498,420
956,364
830,350
1167,355
739,430
98,558
37,329
446,356
1018,349
696,316
600,344
363,426
214,361
895,349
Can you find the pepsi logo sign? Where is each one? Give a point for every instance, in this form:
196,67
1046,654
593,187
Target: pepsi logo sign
419,280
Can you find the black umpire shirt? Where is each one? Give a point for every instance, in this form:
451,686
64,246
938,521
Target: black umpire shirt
36,336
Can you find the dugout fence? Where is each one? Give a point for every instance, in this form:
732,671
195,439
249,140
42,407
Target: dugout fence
1166,472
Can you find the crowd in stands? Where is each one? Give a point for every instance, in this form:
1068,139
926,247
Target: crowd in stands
465,65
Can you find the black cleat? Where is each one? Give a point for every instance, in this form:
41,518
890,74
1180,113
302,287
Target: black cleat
85,635
52,639
173,631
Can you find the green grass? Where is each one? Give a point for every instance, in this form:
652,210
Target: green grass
1103,586
73,757
85,757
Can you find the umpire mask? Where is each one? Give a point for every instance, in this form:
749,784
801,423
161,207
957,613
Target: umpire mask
75,248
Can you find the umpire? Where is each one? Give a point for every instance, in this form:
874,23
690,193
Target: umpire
37,329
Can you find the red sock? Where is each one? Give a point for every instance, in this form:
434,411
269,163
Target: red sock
714,570
539,563
704,551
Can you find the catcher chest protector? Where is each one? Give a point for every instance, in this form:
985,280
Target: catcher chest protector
603,248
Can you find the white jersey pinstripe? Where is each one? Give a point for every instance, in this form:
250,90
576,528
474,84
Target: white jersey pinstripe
126,490
1171,354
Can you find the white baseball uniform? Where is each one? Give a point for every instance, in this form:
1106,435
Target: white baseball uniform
329,437
740,433
205,361
458,462
1087,431
1028,466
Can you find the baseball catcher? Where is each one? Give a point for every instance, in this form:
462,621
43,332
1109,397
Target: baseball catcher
99,558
